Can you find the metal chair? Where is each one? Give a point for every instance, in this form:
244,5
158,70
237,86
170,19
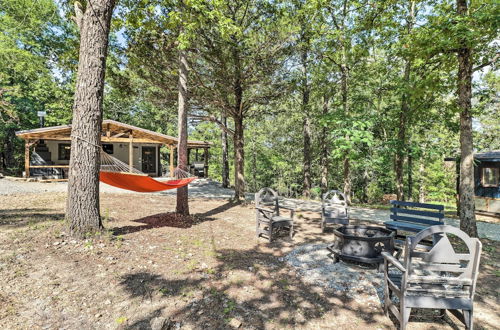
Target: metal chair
267,214
436,277
334,209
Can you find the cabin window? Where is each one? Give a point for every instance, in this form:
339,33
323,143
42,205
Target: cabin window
108,148
490,176
64,151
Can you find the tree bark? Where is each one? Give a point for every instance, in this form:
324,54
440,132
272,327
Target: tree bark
239,160
345,106
182,150
306,188
344,86
421,188
238,139
409,196
254,167
82,210
225,161
403,114
324,150
464,91
10,164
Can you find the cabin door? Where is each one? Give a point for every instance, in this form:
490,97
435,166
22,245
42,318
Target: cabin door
149,159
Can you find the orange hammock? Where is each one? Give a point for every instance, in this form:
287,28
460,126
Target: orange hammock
141,183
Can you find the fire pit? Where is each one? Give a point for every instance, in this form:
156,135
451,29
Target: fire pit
362,244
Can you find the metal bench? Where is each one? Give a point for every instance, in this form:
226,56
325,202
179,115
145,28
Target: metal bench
413,217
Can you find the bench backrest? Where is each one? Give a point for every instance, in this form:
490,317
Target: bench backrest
449,269
268,199
421,213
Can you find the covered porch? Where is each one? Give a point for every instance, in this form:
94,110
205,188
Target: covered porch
47,150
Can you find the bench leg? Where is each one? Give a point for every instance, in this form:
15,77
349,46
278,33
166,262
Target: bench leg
468,319
405,317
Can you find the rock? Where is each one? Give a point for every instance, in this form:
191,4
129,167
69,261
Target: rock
159,323
235,323
98,315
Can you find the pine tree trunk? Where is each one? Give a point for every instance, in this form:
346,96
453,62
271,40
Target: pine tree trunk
238,138
345,106
10,137
409,196
225,162
239,160
82,211
182,150
306,188
421,188
403,115
467,207
344,84
324,150
254,167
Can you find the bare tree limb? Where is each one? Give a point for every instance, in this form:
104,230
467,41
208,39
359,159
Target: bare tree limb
214,119
485,64
78,18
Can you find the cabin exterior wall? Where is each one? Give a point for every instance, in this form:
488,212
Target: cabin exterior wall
120,151
487,198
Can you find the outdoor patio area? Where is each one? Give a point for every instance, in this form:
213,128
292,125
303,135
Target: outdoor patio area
150,266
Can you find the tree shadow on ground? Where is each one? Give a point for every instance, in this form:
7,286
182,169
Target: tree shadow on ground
23,217
167,219
172,219
220,209
254,287
249,285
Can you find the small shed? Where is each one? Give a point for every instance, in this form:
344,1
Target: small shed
487,181
138,147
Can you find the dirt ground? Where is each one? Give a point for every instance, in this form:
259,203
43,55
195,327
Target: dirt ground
211,274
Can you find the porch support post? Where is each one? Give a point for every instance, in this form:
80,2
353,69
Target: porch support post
130,153
205,158
27,158
171,160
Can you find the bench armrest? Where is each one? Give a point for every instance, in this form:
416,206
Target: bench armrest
264,209
390,259
289,208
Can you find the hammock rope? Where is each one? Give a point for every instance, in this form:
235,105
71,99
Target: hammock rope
118,174
121,175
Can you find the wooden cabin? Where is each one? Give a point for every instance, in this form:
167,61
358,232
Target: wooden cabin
47,149
487,181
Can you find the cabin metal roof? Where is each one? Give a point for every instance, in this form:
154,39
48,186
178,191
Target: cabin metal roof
489,156
112,131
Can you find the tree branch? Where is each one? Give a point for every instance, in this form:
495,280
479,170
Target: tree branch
78,18
492,61
214,119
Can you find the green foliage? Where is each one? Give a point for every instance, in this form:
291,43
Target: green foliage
258,47
34,51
